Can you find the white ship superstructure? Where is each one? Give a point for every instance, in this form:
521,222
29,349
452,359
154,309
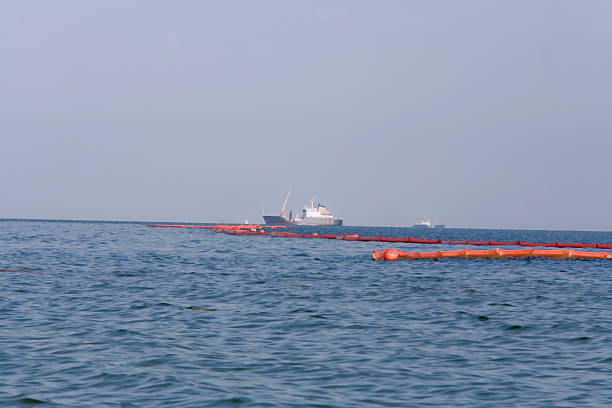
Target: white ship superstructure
318,215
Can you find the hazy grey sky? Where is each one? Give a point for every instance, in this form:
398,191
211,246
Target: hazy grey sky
481,113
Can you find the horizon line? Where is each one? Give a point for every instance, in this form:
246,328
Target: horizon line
239,223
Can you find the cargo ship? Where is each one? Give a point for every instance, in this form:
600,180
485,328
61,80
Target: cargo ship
315,216
427,223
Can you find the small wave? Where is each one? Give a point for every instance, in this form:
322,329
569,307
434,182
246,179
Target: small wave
30,401
230,401
204,309
581,339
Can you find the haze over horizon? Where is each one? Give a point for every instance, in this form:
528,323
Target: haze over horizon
481,114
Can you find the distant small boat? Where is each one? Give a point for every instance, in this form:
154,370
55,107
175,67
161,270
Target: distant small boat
427,223
423,223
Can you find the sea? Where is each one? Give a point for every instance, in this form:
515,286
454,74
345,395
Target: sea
118,314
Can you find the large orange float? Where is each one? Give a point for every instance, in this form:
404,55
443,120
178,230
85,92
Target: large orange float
394,255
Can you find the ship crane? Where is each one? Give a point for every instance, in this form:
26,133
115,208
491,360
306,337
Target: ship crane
282,213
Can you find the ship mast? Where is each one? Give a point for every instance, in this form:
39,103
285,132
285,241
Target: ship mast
282,213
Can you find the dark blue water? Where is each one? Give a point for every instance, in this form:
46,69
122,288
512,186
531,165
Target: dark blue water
121,315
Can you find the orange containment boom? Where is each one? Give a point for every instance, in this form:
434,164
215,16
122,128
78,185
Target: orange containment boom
219,226
244,229
394,254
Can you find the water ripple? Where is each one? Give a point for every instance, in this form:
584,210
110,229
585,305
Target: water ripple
123,315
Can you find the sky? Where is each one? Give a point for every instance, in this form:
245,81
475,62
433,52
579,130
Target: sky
483,114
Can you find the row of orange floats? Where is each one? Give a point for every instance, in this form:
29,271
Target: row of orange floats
249,227
394,254
258,230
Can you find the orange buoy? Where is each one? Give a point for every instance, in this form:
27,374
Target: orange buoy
391,254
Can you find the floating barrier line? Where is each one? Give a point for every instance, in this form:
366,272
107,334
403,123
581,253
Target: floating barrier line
222,226
394,255
407,240
256,229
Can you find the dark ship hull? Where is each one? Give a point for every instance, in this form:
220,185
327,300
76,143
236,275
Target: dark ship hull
276,220
319,221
